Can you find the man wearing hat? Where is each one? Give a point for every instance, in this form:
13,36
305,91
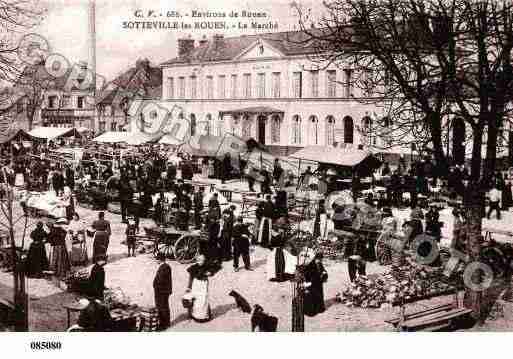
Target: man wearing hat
163,288
241,245
97,278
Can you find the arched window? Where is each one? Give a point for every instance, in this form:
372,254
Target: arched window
219,127
387,136
208,124
246,126
313,134
348,130
193,124
296,130
330,130
235,125
367,124
275,129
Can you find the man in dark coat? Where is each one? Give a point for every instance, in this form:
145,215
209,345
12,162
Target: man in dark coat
163,288
125,196
227,168
70,177
241,245
97,279
198,206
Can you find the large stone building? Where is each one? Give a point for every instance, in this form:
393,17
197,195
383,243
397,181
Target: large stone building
266,87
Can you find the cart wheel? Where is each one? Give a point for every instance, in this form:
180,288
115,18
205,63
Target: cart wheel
186,248
163,248
495,259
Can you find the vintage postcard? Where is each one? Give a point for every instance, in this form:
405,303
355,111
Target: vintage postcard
243,166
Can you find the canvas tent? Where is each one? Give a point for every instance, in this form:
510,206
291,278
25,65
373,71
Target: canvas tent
357,160
112,137
51,133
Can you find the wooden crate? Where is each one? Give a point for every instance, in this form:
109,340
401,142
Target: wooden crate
149,320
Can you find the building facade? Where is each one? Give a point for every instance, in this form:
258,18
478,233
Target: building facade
266,87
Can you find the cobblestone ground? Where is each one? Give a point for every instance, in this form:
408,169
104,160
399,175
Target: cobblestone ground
135,275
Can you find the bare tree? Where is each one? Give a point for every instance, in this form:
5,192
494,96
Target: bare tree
428,62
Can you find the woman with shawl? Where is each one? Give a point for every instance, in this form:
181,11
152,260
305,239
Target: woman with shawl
280,263
59,262
37,261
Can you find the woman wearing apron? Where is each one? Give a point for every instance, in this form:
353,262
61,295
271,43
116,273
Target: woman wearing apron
101,236
199,274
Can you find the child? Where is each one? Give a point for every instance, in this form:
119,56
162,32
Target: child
131,230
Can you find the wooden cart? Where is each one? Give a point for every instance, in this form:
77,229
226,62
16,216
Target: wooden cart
182,246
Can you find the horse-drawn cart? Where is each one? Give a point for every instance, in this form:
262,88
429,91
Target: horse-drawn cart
182,246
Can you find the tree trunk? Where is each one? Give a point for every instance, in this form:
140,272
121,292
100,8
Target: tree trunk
298,316
473,205
491,148
438,146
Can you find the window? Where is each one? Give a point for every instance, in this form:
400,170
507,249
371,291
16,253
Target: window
275,129
80,102
181,87
296,130
313,134
222,86
113,126
348,82
314,76
52,101
276,84
330,131
219,127
368,83
234,86
208,125
348,129
19,106
102,126
66,101
261,85
170,88
331,83
297,82
210,87
194,87
247,85
246,127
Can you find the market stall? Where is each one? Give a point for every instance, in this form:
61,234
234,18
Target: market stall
52,133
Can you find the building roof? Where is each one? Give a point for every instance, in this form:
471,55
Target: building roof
289,43
142,80
36,76
253,110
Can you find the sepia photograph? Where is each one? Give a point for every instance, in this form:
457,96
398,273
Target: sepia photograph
255,166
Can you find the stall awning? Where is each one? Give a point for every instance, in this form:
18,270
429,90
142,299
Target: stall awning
7,137
256,110
50,133
112,137
170,140
333,156
141,138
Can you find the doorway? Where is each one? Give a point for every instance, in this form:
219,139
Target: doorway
261,129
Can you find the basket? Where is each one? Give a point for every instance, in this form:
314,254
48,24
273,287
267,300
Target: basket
187,300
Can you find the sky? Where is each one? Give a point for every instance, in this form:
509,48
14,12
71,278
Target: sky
66,28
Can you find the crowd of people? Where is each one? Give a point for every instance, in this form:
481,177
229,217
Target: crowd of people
152,185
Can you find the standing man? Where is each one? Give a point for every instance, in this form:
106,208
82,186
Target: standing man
241,245
163,288
198,206
97,279
125,196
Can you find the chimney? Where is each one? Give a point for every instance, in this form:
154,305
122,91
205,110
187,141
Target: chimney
185,46
217,39
203,41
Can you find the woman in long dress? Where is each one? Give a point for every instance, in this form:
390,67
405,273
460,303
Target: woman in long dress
315,277
37,261
101,236
199,274
59,262
281,265
78,247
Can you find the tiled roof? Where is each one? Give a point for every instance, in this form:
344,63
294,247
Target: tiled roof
141,80
289,43
45,81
